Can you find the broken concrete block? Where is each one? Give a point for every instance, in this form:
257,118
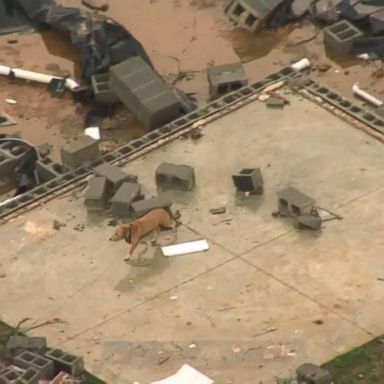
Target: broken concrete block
339,37
17,344
80,151
101,89
249,180
123,198
28,359
275,102
251,14
225,78
12,374
309,222
114,175
99,5
149,98
142,207
292,202
96,195
65,362
170,175
312,374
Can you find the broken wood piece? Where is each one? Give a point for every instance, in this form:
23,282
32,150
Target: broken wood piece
218,211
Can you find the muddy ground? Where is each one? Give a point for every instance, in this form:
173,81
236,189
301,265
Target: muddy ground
181,36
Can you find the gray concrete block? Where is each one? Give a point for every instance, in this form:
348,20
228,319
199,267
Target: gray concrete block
7,165
309,222
142,207
114,175
28,359
170,175
102,90
226,78
339,37
251,14
144,92
123,198
17,344
275,102
80,151
65,362
312,374
249,180
96,195
292,202
14,376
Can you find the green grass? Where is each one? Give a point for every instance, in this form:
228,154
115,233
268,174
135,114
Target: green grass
6,331
366,361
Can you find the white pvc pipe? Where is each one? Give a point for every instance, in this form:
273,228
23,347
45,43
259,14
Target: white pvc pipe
301,64
366,96
35,76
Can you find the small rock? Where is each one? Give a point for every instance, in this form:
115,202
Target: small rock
100,5
318,322
360,376
323,67
346,72
12,41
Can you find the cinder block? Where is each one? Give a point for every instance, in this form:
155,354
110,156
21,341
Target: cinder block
101,89
251,14
144,93
80,151
96,196
142,207
309,222
225,78
114,175
66,362
249,180
295,203
176,176
312,374
123,198
17,344
32,360
275,102
339,37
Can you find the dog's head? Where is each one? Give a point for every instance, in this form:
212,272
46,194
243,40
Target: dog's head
122,232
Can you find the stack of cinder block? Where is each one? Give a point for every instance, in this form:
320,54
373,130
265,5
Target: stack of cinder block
111,186
33,362
141,89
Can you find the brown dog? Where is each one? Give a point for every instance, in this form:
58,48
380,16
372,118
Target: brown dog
132,233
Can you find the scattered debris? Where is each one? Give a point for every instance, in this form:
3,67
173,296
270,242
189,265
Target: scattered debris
185,248
218,211
57,225
318,322
11,101
196,134
173,297
322,67
311,373
79,227
163,359
186,374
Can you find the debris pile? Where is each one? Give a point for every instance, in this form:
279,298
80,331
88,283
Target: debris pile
33,362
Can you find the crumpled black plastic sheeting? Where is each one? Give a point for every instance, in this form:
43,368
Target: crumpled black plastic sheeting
101,41
371,45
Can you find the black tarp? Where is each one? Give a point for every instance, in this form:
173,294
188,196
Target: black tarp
12,18
371,45
101,41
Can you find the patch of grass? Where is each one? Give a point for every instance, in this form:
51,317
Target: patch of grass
6,331
363,365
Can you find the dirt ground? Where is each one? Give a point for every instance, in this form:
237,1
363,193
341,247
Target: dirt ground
192,35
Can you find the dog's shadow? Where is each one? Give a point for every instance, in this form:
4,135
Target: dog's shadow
142,269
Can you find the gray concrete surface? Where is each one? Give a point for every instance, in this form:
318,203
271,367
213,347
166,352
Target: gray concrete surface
213,310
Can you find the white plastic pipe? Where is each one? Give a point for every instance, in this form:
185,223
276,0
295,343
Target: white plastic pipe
35,76
366,96
301,64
